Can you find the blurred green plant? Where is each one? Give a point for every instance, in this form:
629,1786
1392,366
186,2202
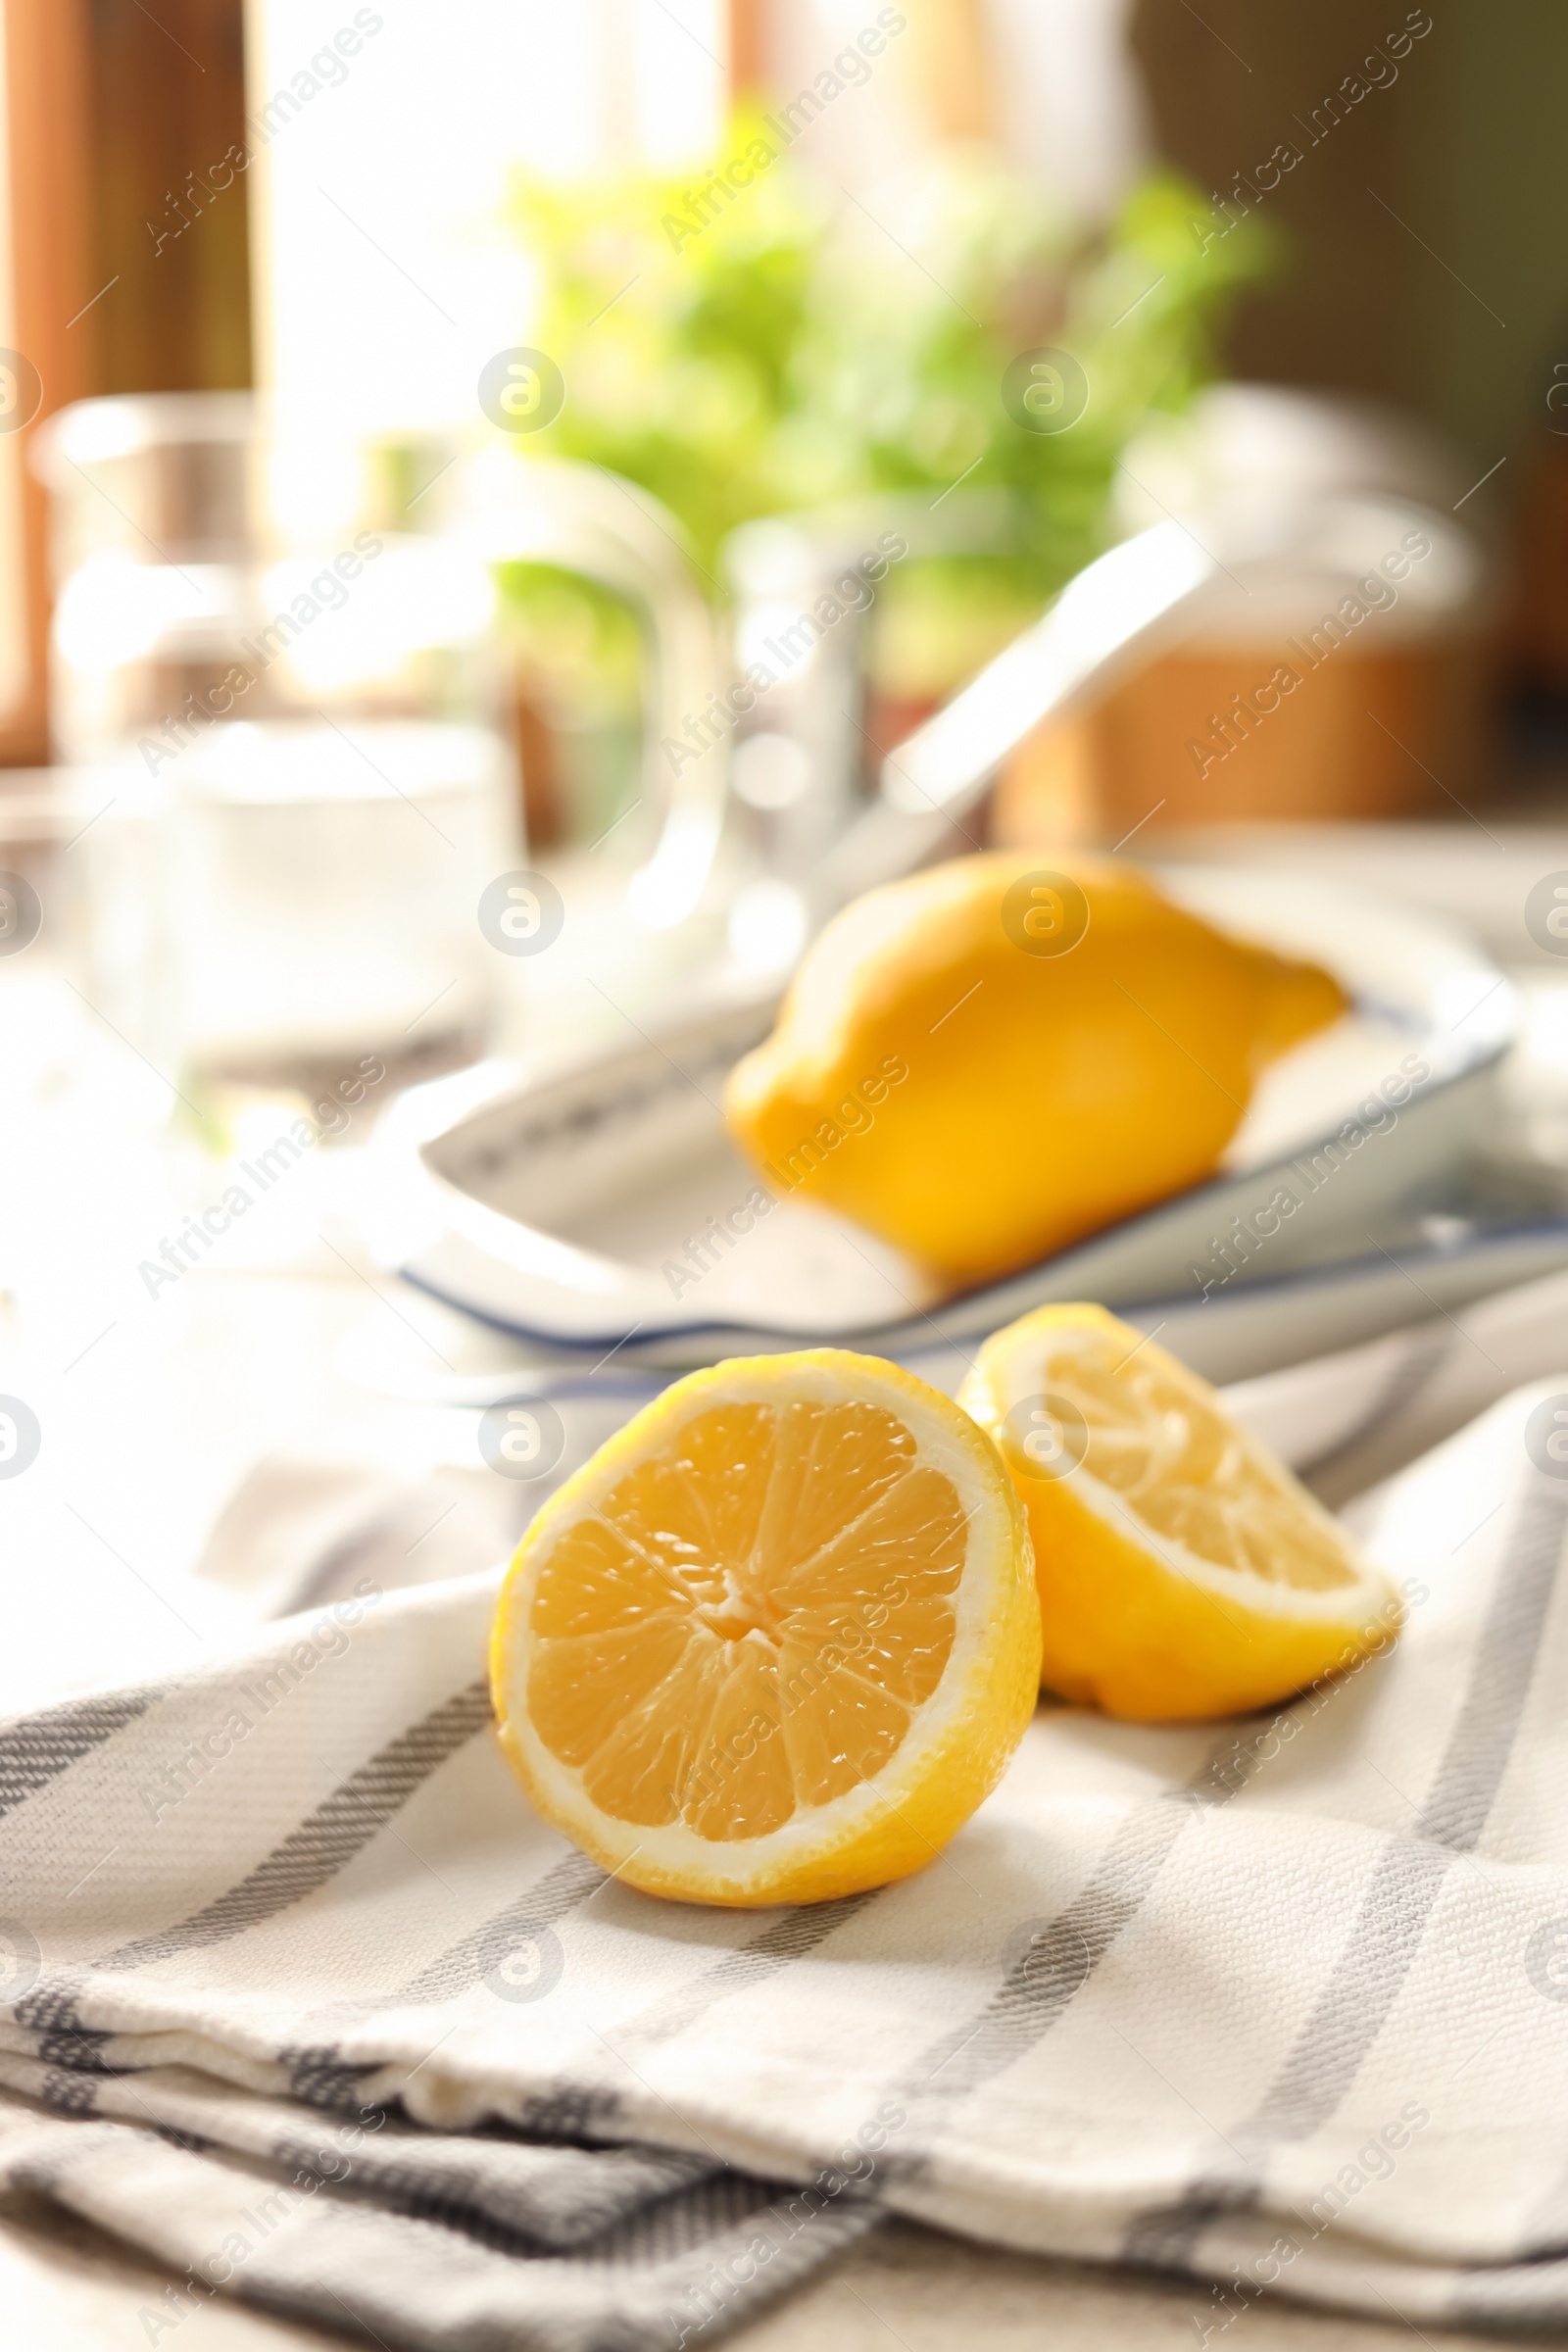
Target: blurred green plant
794,352
786,350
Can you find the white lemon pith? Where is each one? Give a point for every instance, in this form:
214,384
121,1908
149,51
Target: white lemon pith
1183,1570
777,1639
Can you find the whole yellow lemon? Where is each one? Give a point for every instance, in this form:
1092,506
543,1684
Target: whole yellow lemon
991,1059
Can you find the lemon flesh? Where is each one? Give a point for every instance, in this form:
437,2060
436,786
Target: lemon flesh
777,1639
981,1066
1183,1571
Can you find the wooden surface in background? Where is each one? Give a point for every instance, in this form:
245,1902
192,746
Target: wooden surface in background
747,74
168,102
48,76
1228,84
949,68
115,117
1382,734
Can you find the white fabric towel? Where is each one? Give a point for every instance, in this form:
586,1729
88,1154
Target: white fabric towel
303,2001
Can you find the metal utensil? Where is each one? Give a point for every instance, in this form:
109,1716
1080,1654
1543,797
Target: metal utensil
1113,614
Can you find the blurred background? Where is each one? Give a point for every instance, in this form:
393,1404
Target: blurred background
804,277
483,491
351,223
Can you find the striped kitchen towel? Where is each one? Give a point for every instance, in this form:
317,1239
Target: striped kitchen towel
303,2002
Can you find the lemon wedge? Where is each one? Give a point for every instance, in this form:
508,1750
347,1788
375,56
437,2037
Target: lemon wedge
1183,1571
777,1639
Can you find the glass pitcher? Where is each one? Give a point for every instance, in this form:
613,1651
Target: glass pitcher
288,742
277,664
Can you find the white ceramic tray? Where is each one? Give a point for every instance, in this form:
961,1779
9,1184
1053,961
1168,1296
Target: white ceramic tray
562,1210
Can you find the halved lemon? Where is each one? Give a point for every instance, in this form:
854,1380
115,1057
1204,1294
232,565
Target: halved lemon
777,1639
1183,1571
